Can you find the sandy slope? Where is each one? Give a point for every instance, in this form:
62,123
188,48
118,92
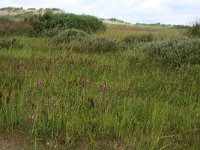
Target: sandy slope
22,11
114,22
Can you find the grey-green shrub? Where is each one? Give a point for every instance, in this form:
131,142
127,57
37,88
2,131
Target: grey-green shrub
195,29
94,44
52,32
102,44
175,52
138,38
68,35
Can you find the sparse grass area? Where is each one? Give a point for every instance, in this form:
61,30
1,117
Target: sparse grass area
120,32
113,100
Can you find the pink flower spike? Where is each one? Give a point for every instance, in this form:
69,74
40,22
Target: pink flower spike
31,117
37,83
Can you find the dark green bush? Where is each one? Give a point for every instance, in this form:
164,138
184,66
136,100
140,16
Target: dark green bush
12,43
130,39
175,52
66,21
69,35
5,44
195,29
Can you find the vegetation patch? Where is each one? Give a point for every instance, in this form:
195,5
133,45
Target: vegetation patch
94,44
5,44
175,52
138,38
195,29
80,41
69,35
9,28
52,32
76,91
49,20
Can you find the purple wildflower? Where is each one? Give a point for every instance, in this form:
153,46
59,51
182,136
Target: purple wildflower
37,83
31,117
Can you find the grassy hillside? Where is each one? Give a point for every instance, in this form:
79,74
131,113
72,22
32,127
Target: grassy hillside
79,94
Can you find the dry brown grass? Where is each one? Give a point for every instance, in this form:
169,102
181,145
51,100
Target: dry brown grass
122,32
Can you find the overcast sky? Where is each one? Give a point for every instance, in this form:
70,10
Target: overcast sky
143,11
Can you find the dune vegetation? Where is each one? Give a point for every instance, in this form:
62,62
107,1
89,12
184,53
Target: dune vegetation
71,82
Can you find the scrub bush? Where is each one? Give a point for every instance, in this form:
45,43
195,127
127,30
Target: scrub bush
175,52
10,43
94,44
68,35
130,39
49,21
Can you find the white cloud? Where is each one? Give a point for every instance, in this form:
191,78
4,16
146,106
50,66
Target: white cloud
149,11
147,4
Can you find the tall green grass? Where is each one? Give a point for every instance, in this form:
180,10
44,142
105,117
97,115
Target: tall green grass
117,99
94,101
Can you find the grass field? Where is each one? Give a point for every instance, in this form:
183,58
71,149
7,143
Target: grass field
62,99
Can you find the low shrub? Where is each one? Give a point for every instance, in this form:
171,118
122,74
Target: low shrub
69,35
12,43
5,44
52,32
82,42
175,52
94,44
138,38
195,29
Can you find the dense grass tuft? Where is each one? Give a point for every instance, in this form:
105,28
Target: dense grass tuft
131,39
